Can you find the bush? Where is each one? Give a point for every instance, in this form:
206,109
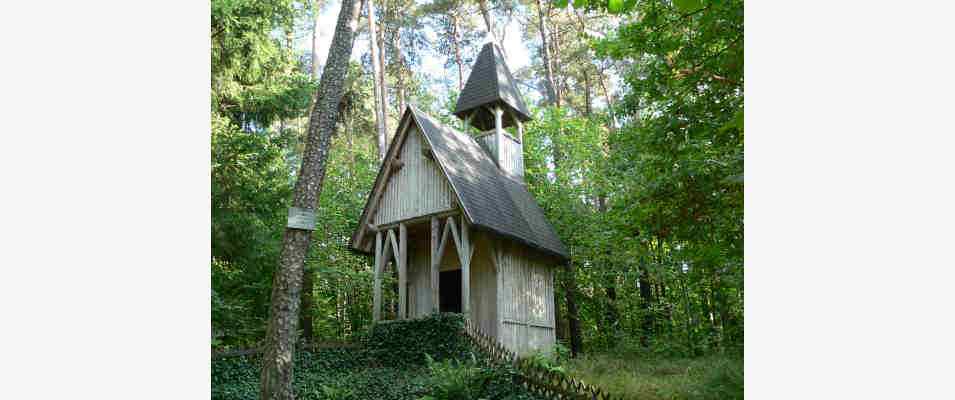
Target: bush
404,343
453,380
399,360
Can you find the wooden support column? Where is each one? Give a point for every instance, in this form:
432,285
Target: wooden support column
402,271
465,251
379,260
520,130
498,134
435,261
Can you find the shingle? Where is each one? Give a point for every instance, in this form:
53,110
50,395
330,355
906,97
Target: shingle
493,201
490,83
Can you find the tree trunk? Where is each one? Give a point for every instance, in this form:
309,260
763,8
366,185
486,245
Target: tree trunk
308,287
456,43
400,72
277,360
489,22
552,96
570,281
587,101
573,317
382,82
603,85
377,72
645,300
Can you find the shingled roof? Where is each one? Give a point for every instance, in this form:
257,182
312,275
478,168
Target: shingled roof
492,201
490,83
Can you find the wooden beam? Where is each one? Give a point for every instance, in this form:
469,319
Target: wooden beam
395,250
520,130
454,232
465,256
402,271
435,229
498,134
417,220
376,308
444,242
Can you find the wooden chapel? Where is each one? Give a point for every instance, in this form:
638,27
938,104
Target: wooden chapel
451,211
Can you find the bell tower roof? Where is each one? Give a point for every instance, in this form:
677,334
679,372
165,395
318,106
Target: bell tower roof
490,84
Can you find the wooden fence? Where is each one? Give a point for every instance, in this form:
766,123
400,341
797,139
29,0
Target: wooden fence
258,350
537,380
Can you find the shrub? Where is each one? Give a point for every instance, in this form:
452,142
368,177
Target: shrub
453,380
404,343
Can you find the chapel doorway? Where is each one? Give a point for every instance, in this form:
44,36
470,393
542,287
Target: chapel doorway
450,291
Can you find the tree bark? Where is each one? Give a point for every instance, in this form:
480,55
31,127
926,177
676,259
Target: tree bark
456,43
377,73
570,281
647,326
489,22
400,71
603,85
277,361
308,287
552,96
382,81
573,317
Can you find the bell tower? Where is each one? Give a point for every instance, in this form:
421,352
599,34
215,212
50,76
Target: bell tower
490,102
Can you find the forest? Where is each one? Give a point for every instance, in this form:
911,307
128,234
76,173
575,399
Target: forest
635,154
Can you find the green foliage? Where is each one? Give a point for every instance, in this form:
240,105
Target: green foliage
640,376
395,363
723,381
454,379
325,375
408,343
256,82
547,362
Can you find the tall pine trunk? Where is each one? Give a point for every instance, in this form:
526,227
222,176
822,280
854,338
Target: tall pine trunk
456,43
377,73
570,280
542,23
382,82
643,280
277,360
308,282
573,315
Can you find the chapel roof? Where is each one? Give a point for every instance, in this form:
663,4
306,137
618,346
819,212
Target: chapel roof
492,201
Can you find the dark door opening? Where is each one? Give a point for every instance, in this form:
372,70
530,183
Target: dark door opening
450,291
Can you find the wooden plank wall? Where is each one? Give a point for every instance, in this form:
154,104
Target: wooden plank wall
526,302
419,279
483,282
483,288
513,157
418,188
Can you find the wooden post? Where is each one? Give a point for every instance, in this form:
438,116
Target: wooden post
376,308
435,228
402,271
465,255
520,130
498,133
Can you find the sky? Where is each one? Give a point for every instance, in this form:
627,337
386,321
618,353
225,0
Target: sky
432,64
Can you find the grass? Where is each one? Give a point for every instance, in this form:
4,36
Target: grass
650,378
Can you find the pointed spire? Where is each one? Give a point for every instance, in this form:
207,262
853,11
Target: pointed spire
490,84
